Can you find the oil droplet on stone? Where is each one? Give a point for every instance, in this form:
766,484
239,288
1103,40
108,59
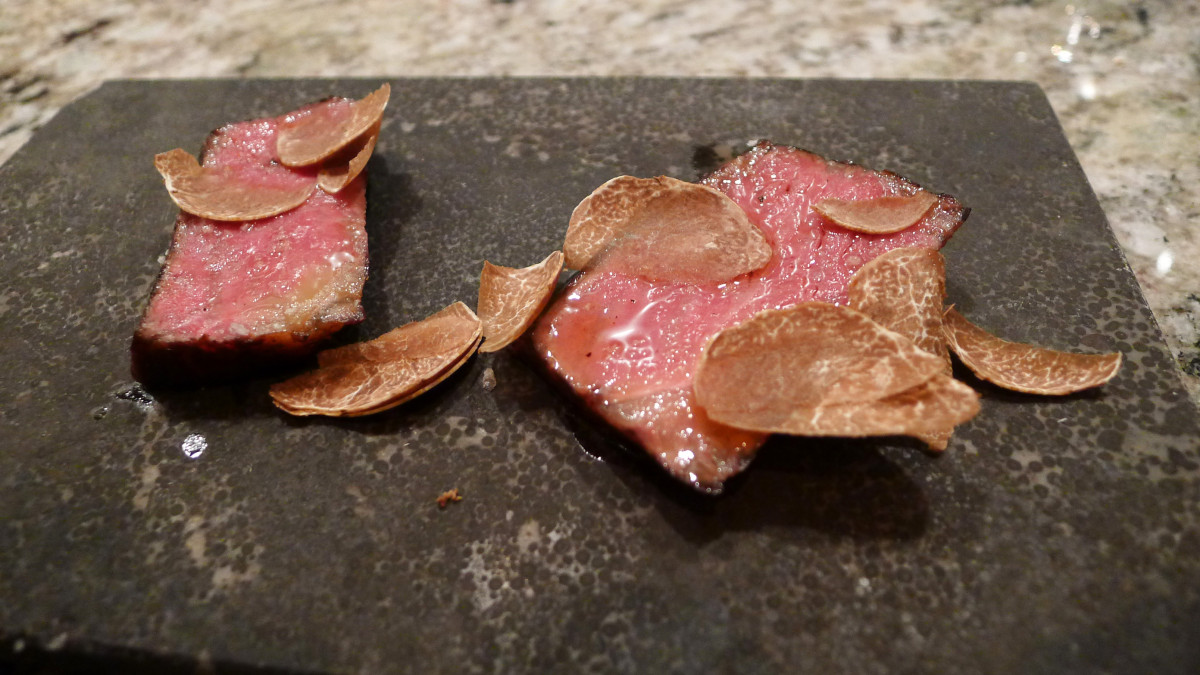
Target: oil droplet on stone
194,446
137,396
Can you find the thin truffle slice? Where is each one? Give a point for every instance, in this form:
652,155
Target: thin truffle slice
231,193
1025,368
880,215
510,299
373,376
806,356
823,370
665,229
337,172
905,290
315,134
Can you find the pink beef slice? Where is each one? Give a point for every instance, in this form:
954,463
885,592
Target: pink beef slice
628,346
234,298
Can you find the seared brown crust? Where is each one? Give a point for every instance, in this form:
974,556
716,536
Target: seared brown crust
163,363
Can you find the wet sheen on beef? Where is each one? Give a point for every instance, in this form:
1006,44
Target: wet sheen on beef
628,346
235,297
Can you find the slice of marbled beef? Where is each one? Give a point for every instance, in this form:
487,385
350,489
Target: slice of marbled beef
628,346
234,298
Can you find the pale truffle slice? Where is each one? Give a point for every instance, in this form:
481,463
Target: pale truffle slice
925,411
808,355
664,229
337,172
373,376
823,370
1025,368
316,134
881,215
230,193
905,290
510,299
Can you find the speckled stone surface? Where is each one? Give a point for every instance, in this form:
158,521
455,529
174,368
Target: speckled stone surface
1054,535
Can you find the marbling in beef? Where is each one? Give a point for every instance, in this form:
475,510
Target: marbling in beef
236,297
628,345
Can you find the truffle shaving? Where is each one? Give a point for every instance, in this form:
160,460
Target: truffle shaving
663,229
510,299
370,377
1025,368
881,215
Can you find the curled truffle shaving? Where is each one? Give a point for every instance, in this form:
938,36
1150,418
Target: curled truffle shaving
1025,368
664,229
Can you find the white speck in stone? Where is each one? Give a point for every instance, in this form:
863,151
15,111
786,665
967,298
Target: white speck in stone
1163,264
1021,57
408,127
57,642
194,446
863,587
1087,88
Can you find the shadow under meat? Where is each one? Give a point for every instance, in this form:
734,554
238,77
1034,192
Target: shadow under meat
391,207
842,487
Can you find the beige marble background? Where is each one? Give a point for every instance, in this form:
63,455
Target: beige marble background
1123,77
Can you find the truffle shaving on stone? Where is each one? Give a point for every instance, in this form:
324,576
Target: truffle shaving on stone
1025,368
370,377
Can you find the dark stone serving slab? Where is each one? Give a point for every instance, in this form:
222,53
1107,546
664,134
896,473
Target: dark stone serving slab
1054,536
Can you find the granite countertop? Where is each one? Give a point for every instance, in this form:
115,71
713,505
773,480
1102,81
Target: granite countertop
1122,76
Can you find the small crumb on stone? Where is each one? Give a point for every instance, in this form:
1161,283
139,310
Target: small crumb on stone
488,380
447,497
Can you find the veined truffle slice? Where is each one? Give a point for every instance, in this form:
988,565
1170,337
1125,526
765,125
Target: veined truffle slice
1025,368
824,370
510,299
665,229
808,355
231,193
373,376
317,133
904,290
337,172
926,410
880,215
